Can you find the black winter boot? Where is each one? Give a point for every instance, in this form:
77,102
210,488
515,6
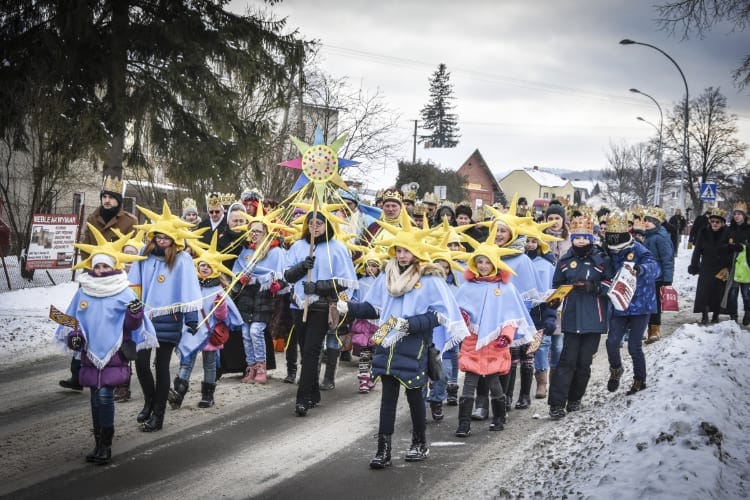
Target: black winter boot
614,378
452,399
291,373
498,414
72,382
382,458
746,318
464,417
145,413
511,388
638,385
156,421
715,318
704,318
177,394
331,357
207,395
98,440
524,397
105,447
419,449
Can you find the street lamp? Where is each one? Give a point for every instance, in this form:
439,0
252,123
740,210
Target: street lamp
657,187
685,157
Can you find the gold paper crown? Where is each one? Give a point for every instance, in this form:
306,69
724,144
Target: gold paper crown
213,200
419,209
379,194
410,196
717,212
617,223
581,224
112,184
740,206
654,212
227,199
393,194
430,198
188,203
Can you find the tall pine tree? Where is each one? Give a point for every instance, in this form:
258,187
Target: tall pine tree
436,115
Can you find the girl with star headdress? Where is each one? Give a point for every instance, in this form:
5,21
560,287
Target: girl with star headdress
172,298
108,328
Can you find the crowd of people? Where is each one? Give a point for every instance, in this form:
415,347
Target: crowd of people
419,291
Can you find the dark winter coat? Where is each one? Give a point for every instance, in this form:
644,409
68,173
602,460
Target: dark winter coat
169,326
660,245
254,305
221,228
644,298
582,311
123,222
710,255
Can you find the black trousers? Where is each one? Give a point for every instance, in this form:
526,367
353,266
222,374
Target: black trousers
389,403
156,392
310,336
573,371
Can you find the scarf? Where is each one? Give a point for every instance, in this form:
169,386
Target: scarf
109,213
103,286
399,282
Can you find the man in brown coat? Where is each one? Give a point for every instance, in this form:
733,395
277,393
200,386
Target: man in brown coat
107,216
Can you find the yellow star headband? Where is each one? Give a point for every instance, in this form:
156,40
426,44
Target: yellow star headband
111,248
213,258
167,223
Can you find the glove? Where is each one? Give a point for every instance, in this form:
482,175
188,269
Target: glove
637,269
343,307
192,327
245,279
274,287
503,342
309,287
401,324
135,306
693,269
553,304
309,262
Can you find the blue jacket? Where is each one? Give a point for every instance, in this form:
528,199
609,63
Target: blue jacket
169,326
659,244
584,311
644,299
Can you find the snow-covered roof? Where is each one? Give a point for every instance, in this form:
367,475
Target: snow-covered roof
545,178
584,184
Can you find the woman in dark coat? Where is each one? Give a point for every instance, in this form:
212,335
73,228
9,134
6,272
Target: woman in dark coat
710,256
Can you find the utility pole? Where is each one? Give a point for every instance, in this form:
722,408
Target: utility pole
414,149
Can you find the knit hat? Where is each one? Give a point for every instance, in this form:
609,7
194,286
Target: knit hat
103,258
555,210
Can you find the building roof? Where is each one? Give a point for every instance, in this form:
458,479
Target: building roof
476,155
542,178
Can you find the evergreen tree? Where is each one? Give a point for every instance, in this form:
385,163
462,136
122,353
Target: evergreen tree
194,86
437,116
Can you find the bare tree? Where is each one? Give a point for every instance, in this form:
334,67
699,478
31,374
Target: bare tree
620,175
700,16
716,154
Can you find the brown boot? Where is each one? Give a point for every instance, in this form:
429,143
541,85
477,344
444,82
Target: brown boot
654,333
541,384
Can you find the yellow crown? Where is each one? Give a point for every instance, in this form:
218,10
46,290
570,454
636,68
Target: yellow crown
420,209
717,212
393,194
430,198
112,184
189,203
581,225
213,200
227,199
740,206
617,223
654,212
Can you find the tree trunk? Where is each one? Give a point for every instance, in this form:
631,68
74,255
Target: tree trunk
117,88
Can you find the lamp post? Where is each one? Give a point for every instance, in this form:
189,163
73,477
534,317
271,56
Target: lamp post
685,156
657,187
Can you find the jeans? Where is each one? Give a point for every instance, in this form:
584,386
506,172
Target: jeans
574,369
254,340
439,388
209,366
103,406
618,325
541,357
733,295
389,402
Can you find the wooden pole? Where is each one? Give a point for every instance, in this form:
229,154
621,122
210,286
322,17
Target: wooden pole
310,254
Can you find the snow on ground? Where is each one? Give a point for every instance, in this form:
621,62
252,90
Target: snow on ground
682,437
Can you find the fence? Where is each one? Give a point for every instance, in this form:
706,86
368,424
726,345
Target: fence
11,272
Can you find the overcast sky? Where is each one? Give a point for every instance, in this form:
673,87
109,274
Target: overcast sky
537,82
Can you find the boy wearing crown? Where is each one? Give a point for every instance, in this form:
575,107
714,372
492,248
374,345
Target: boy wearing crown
739,235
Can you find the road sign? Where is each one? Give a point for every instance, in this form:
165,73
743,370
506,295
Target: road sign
708,191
